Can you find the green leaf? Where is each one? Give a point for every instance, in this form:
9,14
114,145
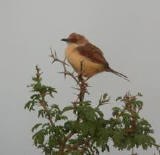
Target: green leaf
36,126
87,103
55,106
30,105
105,96
139,103
100,113
41,113
77,153
67,109
118,98
38,137
86,128
139,94
116,111
52,141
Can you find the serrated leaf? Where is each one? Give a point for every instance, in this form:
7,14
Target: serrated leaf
39,137
105,96
116,110
139,94
36,126
99,112
118,98
139,103
67,109
55,106
41,113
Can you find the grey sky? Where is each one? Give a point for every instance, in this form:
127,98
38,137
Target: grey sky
128,32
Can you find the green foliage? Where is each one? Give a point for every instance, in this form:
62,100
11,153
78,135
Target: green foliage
89,132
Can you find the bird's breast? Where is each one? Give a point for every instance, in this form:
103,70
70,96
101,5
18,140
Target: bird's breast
82,64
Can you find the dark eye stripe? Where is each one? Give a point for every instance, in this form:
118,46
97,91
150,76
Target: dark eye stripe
73,40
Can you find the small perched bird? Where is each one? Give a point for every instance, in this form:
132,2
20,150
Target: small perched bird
86,58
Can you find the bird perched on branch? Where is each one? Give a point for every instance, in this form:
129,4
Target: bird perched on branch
86,58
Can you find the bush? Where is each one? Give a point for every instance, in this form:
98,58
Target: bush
89,132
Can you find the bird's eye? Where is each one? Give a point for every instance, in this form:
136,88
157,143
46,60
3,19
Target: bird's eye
73,40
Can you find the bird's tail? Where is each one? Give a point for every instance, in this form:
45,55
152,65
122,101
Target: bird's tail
117,73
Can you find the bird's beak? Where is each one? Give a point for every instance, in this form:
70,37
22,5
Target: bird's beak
64,39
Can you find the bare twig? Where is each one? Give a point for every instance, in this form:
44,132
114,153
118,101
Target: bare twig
78,79
55,58
65,72
71,75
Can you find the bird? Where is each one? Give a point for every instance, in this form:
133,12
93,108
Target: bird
86,58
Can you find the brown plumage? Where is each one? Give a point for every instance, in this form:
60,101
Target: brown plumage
80,49
92,52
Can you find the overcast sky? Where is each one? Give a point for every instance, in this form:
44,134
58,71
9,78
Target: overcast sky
128,32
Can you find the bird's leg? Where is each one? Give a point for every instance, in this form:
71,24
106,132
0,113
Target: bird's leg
81,71
64,67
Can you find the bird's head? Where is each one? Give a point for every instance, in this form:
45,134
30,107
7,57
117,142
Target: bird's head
76,39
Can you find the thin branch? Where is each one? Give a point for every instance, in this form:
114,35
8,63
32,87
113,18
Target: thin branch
65,72
55,58
71,75
79,80
42,102
46,109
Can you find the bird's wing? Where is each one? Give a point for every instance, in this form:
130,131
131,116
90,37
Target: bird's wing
93,53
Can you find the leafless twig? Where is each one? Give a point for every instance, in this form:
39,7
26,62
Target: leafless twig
55,59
